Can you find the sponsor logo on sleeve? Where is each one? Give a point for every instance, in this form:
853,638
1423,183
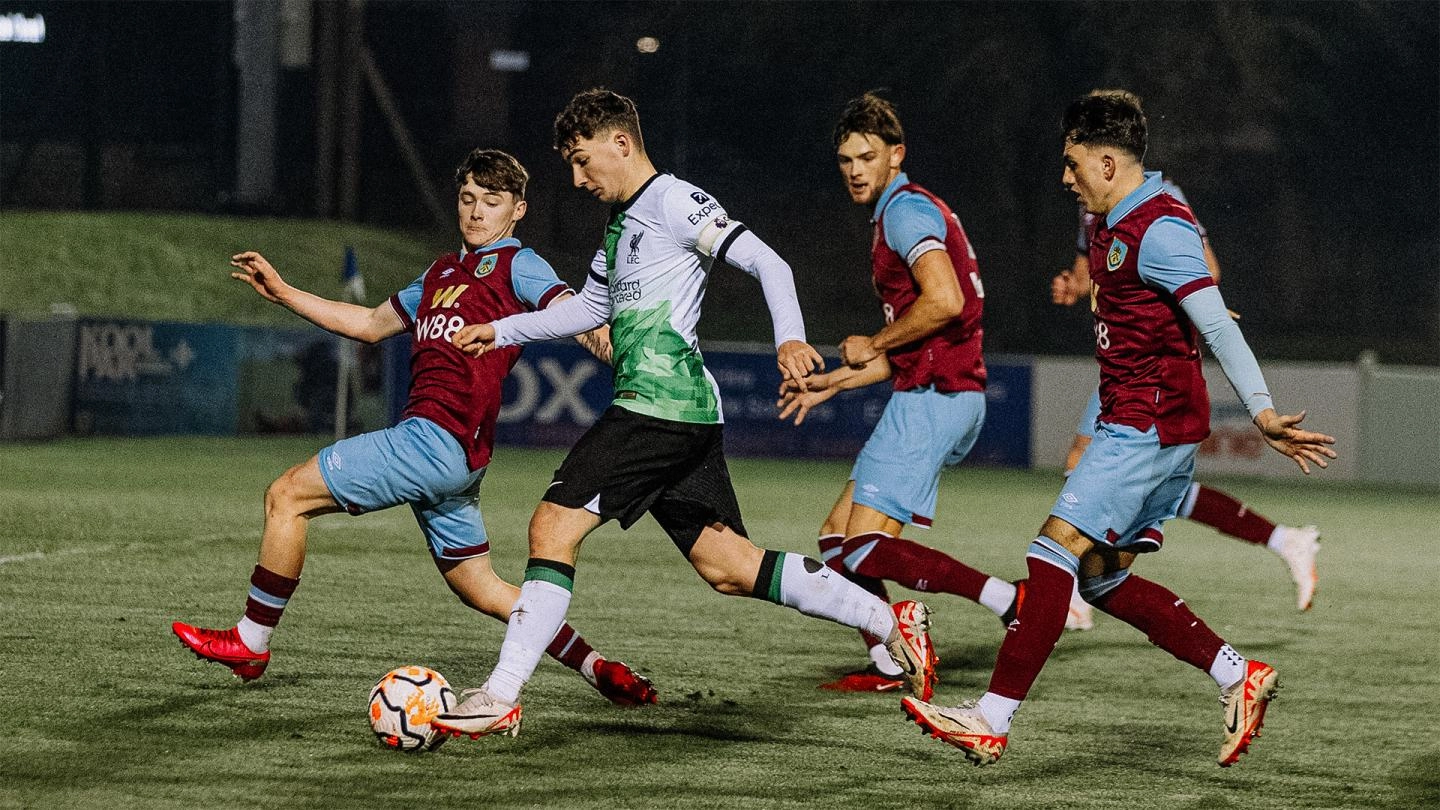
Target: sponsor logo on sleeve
706,209
699,197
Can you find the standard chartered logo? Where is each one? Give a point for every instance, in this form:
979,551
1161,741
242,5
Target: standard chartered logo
624,291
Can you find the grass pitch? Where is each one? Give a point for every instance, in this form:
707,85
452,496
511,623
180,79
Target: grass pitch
104,542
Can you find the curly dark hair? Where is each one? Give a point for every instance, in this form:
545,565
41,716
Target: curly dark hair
495,170
1111,118
596,112
869,114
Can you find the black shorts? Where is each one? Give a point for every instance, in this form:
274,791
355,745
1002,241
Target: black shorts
628,463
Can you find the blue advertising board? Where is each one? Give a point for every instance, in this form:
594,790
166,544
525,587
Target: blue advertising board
144,378
558,389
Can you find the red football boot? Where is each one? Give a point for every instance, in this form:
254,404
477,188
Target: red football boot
222,647
622,685
870,679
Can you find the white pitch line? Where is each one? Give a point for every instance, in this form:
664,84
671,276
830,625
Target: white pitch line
32,556
41,555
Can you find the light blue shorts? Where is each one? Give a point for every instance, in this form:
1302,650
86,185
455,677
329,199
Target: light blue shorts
1125,487
415,462
920,432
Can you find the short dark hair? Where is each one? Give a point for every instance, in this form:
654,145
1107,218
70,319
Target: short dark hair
869,114
495,170
595,112
1108,118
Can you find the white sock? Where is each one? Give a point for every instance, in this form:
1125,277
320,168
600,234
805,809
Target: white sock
255,636
587,667
998,711
534,621
880,658
997,595
1228,667
815,590
1276,543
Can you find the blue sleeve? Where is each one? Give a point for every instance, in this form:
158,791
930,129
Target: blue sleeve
409,298
911,219
533,279
1174,191
1172,255
1206,309
1090,417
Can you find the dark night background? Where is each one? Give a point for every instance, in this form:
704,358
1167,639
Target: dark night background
1306,135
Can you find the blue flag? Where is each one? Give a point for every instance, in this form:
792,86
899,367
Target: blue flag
351,281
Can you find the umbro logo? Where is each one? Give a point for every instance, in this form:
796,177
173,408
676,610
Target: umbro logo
1070,498
447,272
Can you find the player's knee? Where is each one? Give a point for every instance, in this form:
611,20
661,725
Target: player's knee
282,496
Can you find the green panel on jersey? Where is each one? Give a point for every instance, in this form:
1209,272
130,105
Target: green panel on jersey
657,372
613,229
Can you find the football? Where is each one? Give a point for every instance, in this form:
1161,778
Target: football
402,705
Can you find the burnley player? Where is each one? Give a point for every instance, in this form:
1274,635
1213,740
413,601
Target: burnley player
1154,302
1298,546
925,273
435,458
659,447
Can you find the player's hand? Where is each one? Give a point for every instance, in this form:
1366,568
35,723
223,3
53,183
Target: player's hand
857,350
1301,446
1065,288
475,339
799,403
797,361
255,270
815,382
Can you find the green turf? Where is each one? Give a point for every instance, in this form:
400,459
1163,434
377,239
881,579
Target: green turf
105,542
175,267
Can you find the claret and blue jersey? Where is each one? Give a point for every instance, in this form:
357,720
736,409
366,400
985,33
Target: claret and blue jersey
435,458
448,387
938,408
909,222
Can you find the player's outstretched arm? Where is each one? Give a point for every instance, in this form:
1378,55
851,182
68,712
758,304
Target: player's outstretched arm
596,341
1301,446
742,249
941,301
366,324
821,387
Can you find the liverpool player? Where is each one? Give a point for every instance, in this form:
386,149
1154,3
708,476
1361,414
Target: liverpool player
925,273
435,458
1298,546
1154,303
659,447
